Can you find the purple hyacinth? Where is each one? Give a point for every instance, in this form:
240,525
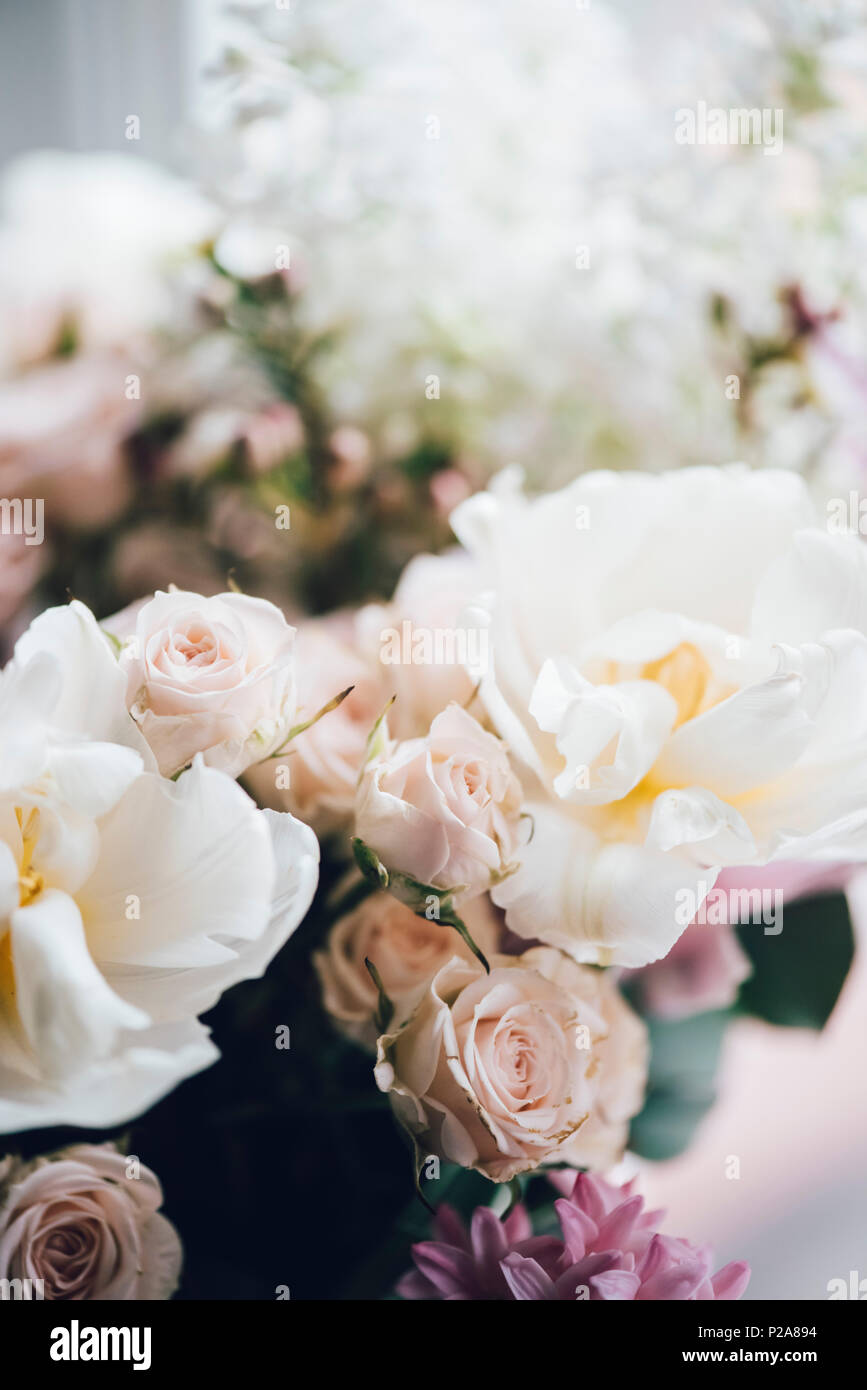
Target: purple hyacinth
609,1248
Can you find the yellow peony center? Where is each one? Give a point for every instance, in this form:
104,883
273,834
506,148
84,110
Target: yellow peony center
686,675
30,881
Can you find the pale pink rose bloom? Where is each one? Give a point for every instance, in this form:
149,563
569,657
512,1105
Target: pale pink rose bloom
498,1071
624,1056
210,675
445,809
87,1230
63,428
324,762
407,951
427,625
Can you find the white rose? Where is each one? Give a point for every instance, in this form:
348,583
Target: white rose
210,675
444,809
680,663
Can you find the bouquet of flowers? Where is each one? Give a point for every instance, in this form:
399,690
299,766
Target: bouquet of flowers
565,782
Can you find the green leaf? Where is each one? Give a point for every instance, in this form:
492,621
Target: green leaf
369,863
799,973
385,1008
682,1082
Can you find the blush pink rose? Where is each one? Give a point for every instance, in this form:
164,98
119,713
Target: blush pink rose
324,762
78,1222
430,606
210,675
499,1071
407,951
444,809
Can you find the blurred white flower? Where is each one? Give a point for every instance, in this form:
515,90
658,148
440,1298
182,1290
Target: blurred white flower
507,211
87,243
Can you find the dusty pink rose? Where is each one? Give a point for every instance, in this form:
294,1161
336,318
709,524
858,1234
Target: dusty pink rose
499,1071
444,809
407,951
324,762
83,1225
210,675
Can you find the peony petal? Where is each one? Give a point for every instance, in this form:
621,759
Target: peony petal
184,868
113,1090
70,1015
92,698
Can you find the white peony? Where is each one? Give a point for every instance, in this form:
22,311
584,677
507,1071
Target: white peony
128,902
680,663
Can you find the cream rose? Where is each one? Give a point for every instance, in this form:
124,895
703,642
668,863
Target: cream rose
444,809
87,1228
500,1072
407,951
210,675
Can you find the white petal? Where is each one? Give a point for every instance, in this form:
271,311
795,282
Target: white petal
70,1015
609,735
695,819
92,777
28,693
193,859
605,904
111,1091
92,698
170,993
743,742
818,583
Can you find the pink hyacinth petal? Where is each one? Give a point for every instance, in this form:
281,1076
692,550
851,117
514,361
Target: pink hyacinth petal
547,1251
731,1281
579,1229
590,1195
527,1280
615,1285
518,1225
618,1226
488,1239
448,1269
450,1229
414,1287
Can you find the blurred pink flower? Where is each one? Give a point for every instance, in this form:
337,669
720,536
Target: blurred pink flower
706,966
62,432
609,1249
